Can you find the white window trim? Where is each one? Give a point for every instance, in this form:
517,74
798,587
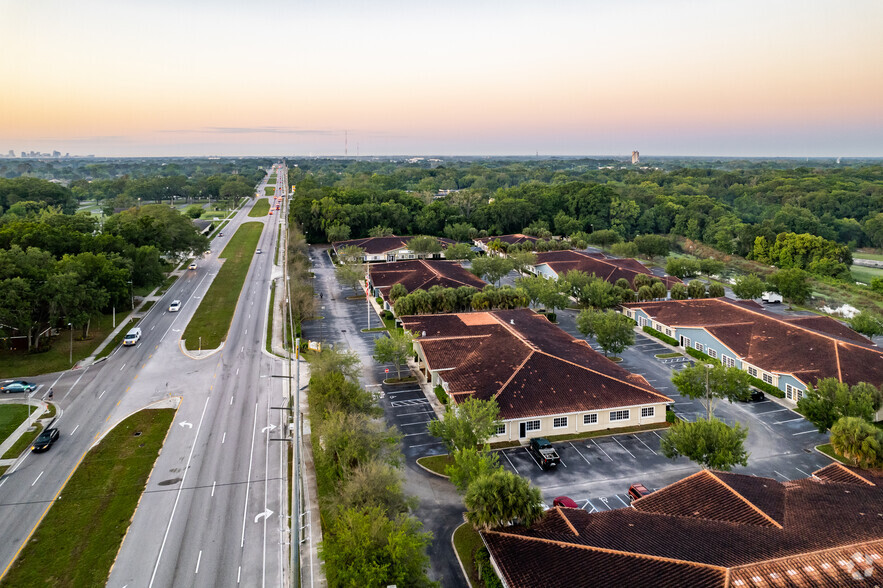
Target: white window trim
651,409
586,418
627,412
712,353
503,432
528,428
564,426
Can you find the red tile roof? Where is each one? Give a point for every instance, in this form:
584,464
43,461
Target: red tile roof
380,245
530,366
422,274
514,239
610,269
809,348
748,531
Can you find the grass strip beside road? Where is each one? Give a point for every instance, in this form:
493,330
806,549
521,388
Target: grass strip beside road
21,364
261,208
78,540
215,313
269,190
117,339
23,442
11,416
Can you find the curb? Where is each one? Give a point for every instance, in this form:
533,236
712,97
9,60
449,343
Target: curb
459,561
417,461
207,353
150,406
834,459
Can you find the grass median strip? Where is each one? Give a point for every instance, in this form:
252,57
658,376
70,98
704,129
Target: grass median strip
261,208
11,416
77,541
215,313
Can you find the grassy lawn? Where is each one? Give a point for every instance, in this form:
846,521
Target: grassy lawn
272,180
261,208
20,364
468,542
77,541
829,451
11,416
215,312
874,256
436,463
117,339
278,243
23,442
269,190
218,229
865,274
146,306
668,355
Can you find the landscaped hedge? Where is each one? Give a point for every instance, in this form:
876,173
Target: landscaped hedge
768,388
699,355
441,395
661,336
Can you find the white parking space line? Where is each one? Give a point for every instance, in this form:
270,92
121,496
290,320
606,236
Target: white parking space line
534,460
623,446
772,411
415,412
415,434
805,432
783,476
802,472
418,423
788,421
762,401
621,500
657,434
645,445
426,444
580,453
510,461
593,506
602,451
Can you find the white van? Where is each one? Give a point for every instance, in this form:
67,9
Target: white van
771,297
132,337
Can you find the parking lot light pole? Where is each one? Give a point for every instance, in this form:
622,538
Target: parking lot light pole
708,368
71,327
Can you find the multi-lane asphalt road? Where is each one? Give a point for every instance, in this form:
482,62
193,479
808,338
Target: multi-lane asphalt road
213,511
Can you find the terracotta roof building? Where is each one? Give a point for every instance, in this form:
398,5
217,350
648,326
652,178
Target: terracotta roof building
709,529
390,248
553,264
515,239
788,352
419,274
545,381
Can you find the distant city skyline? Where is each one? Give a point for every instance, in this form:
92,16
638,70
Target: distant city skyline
335,77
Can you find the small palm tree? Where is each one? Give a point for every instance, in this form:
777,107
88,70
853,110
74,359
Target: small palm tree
502,498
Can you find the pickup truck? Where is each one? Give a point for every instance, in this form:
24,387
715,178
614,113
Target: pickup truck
544,453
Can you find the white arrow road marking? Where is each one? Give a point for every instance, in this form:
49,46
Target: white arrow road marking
186,424
268,428
265,514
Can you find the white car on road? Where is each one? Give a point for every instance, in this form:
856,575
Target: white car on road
175,306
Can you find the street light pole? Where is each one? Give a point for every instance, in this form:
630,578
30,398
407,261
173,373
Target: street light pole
708,368
71,326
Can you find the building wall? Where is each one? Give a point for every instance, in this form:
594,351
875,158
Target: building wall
576,423
544,270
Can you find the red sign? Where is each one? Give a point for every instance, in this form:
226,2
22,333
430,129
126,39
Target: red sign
386,370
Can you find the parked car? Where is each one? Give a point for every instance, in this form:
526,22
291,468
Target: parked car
258,250
192,266
45,440
637,491
771,297
17,386
132,337
544,453
565,501
175,306
757,395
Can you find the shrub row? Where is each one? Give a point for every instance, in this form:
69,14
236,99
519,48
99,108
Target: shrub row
661,336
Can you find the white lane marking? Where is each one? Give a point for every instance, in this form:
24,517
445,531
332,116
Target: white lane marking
213,488
246,330
178,495
102,394
237,371
75,383
35,481
224,438
75,429
267,511
602,451
153,327
580,453
645,445
231,401
198,559
238,574
3,481
804,432
788,421
122,366
248,479
510,461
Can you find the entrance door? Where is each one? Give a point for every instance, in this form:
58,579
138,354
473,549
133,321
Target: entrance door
522,430
685,342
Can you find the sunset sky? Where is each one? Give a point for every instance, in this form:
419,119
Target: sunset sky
479,77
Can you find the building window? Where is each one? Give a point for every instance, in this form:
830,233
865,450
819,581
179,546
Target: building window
789,392
532,426
685,342
643,322
699,346
768,378
590,419
728,361
712,353
559,422
668,332
647,411
501,430
619,415
752,371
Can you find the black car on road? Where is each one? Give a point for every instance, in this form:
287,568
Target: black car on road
45,440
